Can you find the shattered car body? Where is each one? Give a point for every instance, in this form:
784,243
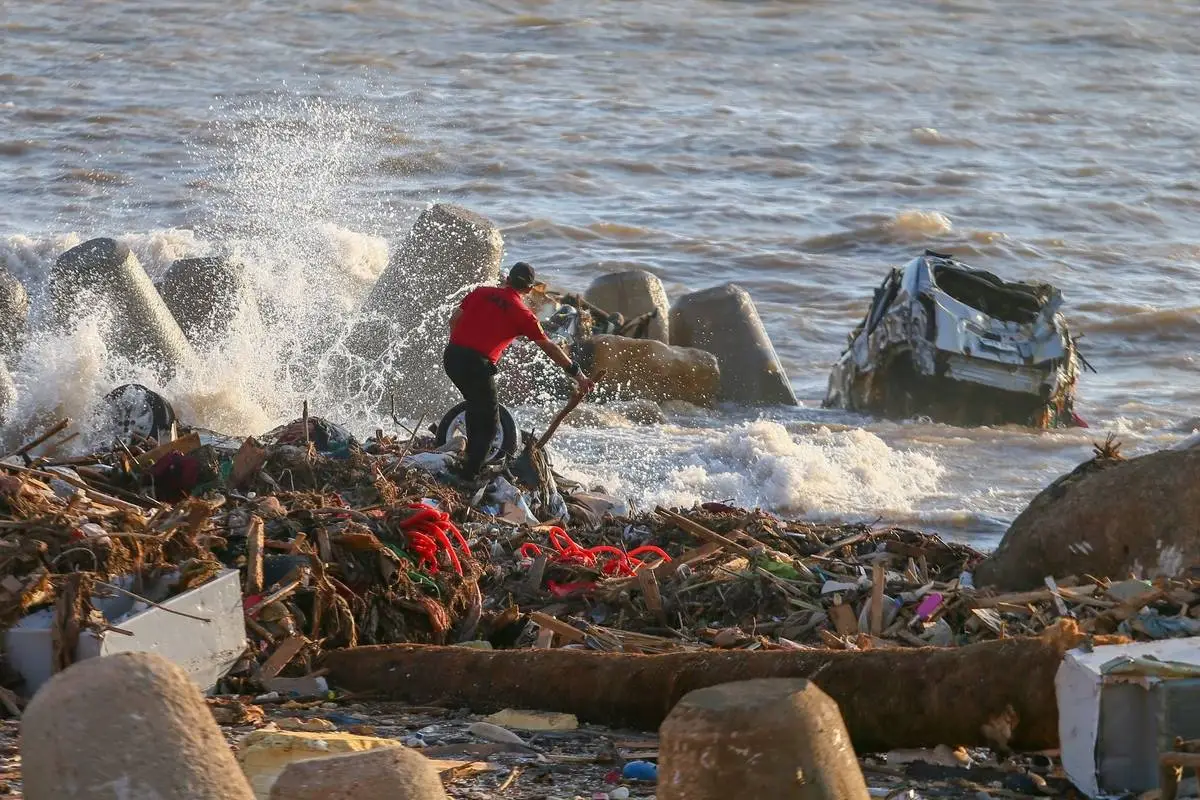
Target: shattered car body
961,346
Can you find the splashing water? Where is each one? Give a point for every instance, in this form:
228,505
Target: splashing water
281,169
822,474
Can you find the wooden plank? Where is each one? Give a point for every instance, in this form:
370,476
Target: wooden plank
254,555
696,529
324,546
651,595
1059,605
271,598
832,640
184,444
450,770
879,576
838,545
844,619
282,656
92,494
1186,760
1022,598
569,633
533,581
989,618
248,461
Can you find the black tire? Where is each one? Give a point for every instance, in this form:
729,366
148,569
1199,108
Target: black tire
508,430
133,408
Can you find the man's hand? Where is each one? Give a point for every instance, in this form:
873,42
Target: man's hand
583,384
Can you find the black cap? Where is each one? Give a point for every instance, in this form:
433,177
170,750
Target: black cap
520,276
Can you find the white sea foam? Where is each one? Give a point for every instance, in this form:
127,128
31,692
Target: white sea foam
822,473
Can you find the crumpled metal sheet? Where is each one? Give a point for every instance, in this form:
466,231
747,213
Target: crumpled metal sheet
1035,358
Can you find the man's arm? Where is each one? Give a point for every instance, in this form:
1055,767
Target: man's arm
558,356
455,317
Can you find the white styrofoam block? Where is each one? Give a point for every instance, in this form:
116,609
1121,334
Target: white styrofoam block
1078,686
206,650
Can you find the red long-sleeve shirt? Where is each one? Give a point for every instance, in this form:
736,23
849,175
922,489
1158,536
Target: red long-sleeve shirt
492,317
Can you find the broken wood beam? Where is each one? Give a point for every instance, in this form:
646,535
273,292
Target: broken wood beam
184,445
917,697
700,531
254,555
283,655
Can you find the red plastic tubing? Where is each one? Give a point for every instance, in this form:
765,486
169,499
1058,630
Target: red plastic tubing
429,530
569,552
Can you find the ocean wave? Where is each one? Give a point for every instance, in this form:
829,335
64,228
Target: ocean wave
904,227
823,474
1164,324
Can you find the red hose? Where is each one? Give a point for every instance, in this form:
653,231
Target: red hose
569,552
427,531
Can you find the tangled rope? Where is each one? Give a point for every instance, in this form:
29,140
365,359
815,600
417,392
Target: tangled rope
569,552
427,532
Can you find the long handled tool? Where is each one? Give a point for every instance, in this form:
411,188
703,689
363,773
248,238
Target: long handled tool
575,400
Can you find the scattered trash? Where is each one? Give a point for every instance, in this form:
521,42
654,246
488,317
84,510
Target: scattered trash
495,733
534,720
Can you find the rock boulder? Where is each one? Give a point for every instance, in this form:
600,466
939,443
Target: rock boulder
1110,517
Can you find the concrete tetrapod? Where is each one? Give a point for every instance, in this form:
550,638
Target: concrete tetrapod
104,273
633,293
125,727
776,737
204,295
387,773
724,321
449,249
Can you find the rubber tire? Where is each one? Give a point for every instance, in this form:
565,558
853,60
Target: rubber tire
151,408
508,429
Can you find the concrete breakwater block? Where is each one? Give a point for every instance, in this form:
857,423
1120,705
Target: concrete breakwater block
14,313
724,321
449,249
774,737
633,293
103,272
649,369
204,295
385,773
123,727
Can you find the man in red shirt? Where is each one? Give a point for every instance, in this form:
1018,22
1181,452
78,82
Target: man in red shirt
485,324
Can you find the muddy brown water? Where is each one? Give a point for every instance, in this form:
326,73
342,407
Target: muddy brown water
799,148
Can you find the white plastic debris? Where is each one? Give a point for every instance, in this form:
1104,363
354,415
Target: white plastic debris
433,463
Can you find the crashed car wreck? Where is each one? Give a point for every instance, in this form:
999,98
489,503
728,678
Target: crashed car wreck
961,346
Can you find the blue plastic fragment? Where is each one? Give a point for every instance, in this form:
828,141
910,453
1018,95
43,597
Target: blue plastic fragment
640,771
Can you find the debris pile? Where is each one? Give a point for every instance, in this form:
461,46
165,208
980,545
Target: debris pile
341,544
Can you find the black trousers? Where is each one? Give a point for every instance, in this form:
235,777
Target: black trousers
475,377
